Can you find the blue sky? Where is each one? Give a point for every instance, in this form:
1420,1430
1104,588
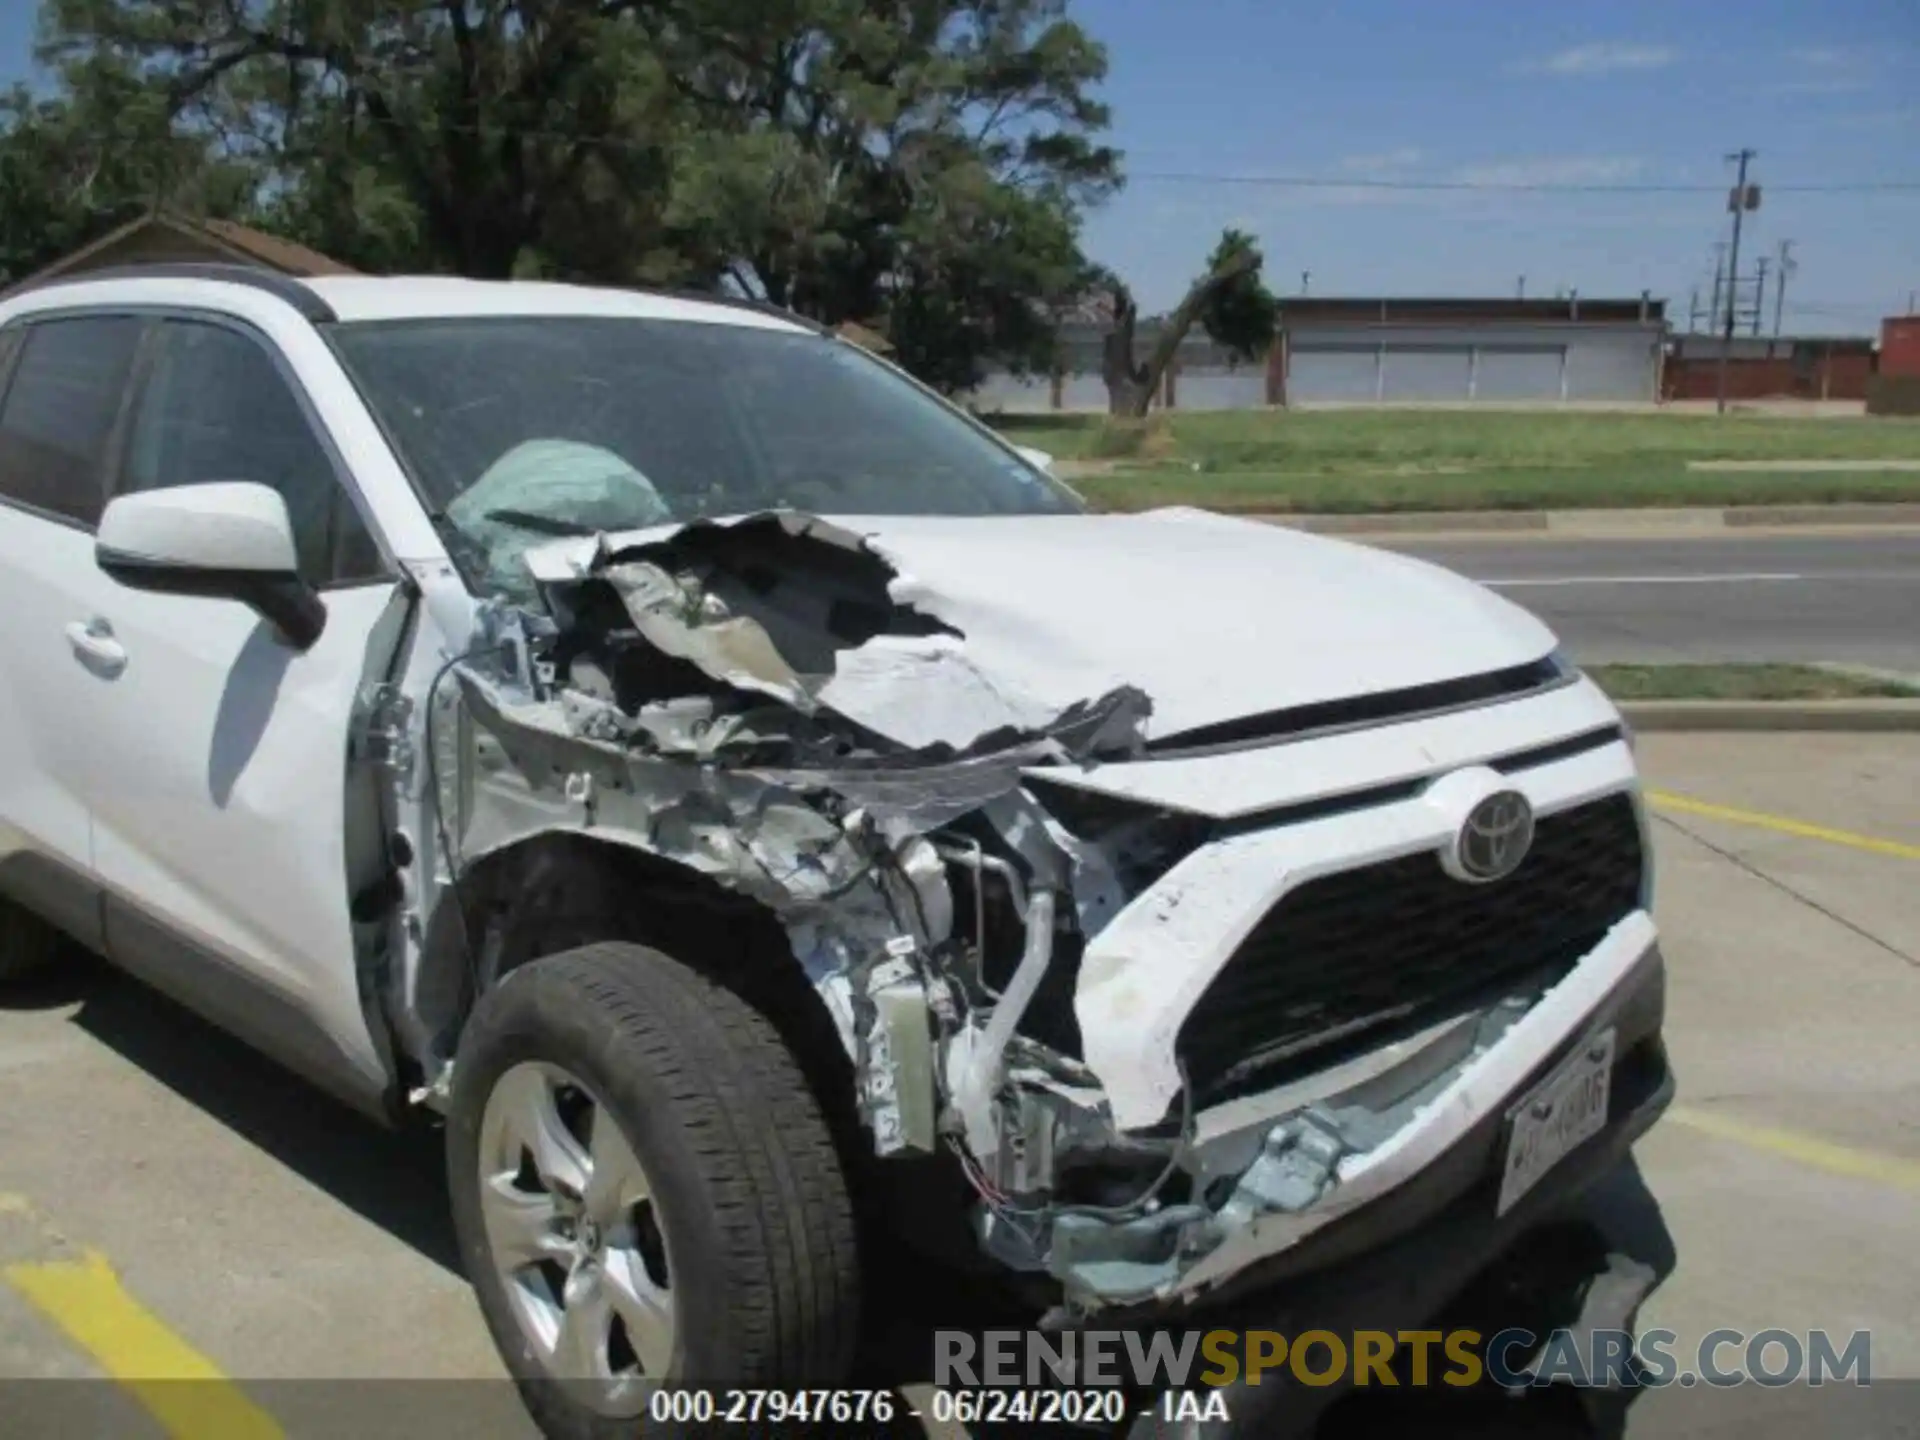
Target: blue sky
1506,91
1629,91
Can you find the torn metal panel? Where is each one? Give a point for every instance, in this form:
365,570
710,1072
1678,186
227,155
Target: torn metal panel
533,774
927,692
1217,621
686,620
805,612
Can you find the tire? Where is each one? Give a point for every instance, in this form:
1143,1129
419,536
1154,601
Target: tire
747,1211
28,945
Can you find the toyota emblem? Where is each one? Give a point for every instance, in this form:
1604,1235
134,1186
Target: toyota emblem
1495,838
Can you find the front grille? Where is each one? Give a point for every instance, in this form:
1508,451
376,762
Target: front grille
1343,957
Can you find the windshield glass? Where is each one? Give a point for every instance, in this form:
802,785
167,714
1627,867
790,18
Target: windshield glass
519,429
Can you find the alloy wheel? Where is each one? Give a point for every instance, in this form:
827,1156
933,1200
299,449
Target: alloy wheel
573,1231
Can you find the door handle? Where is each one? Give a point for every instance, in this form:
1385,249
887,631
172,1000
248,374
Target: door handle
94,645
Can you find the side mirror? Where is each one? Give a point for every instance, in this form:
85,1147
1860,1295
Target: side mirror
230,541
1039,459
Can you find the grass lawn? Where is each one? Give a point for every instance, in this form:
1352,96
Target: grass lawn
1352,460
1741,682
1582,488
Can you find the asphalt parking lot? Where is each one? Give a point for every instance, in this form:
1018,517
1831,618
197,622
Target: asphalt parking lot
173,1206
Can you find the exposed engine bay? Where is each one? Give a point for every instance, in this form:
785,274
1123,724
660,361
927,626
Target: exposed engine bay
782,705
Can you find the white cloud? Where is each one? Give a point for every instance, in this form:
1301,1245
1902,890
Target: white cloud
1553,170
1602,57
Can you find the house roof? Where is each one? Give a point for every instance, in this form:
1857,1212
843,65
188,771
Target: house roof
228,237
865,336
288,255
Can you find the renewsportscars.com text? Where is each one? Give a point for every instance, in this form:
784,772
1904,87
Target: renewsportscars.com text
1513,1358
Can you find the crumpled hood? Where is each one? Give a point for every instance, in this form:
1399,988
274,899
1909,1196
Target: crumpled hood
1214,618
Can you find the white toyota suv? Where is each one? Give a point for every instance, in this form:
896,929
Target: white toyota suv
757,808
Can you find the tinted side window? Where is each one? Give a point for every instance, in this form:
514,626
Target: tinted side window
214,407
60,410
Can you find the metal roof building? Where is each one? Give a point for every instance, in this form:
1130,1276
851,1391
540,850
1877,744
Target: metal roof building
1459,351
1383,351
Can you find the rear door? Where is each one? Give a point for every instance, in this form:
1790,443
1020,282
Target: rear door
65,381
219,781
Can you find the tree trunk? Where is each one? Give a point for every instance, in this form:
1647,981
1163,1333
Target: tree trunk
1123,378
1131,387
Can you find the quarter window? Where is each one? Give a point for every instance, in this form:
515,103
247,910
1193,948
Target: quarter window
214,407
59,413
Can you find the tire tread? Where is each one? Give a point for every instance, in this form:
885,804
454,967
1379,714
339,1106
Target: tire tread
742,1105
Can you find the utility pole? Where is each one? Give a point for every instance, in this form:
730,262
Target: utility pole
1759,291
1693,311
1719,263
1521,292
1787,266
1305,277
1741,199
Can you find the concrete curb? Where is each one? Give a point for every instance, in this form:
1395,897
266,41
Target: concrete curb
1573,523
1421,522
1867,716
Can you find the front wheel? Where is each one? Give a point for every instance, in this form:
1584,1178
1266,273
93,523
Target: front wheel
644,1188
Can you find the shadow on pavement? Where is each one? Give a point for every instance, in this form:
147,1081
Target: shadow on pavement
393,1178
1618,1215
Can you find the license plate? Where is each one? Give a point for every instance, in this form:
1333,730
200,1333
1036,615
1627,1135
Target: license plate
1569,1106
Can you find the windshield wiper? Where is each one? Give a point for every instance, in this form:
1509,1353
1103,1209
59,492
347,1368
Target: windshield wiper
540,524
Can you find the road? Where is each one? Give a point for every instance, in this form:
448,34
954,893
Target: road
1844,599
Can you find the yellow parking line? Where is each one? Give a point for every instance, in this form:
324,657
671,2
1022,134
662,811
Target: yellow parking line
1806,1150
180,1387
1785,824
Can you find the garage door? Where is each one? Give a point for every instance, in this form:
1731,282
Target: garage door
1332,372
1601,370
1427,372
1519,372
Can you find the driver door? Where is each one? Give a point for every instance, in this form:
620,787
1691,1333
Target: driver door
219,788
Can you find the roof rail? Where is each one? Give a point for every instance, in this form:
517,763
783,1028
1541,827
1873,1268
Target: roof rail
733,302
284,287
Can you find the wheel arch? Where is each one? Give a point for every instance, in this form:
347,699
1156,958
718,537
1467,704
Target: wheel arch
558,890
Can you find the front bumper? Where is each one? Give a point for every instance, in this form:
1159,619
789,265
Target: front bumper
1398,1263
1456,1142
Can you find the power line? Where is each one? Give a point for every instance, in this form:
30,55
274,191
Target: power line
1523,187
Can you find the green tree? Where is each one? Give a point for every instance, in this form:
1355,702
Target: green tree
99,153
1228,300
919,165
459,131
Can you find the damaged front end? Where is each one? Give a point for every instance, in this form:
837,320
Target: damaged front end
1012,960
